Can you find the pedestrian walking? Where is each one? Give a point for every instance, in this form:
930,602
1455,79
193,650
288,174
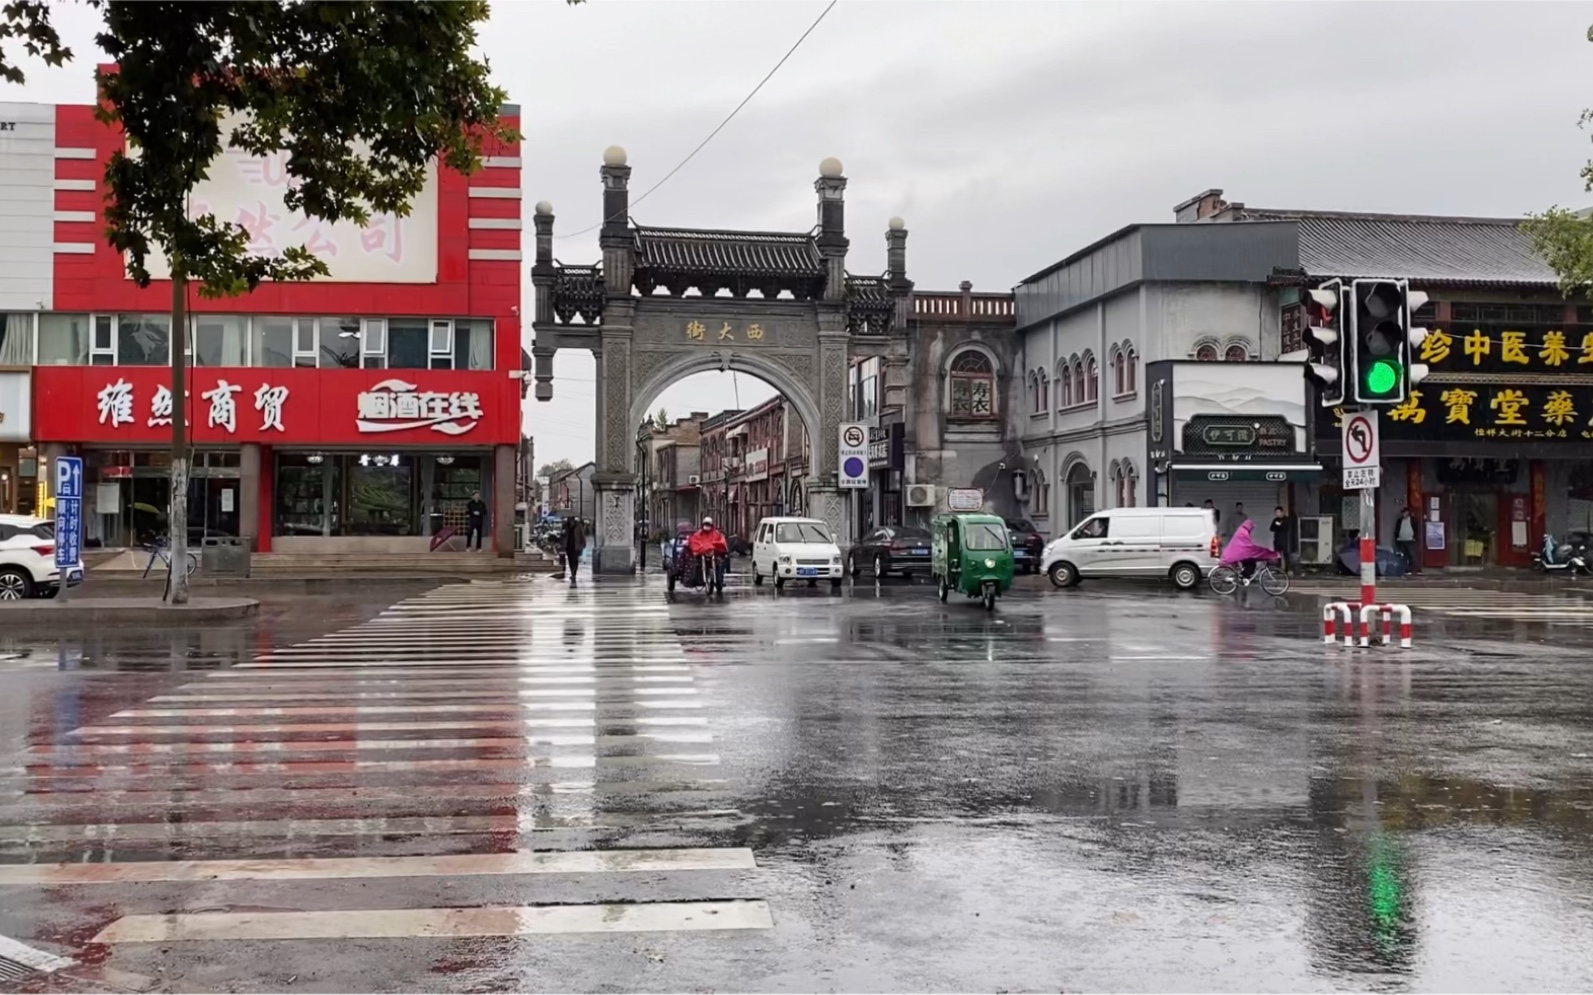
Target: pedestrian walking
476,512
574,546
1405,539
1283,534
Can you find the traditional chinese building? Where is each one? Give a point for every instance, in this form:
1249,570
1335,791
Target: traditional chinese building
1495,447
359,411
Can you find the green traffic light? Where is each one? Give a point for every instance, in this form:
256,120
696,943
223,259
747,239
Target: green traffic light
1382,378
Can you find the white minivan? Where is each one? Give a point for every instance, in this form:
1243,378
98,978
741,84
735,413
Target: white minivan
795,549
1177,543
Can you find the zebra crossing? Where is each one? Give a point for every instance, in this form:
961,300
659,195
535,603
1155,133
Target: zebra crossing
483,731
1477,603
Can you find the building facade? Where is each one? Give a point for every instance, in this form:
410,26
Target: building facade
673,476
573,493
1198,305
362,410
1495,447
754,465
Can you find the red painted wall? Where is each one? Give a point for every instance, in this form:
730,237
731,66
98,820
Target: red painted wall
322,407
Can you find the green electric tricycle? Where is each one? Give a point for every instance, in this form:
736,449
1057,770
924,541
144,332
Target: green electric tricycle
971,554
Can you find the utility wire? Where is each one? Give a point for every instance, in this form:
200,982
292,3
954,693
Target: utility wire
722,124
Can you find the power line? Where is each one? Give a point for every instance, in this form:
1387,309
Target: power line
722,124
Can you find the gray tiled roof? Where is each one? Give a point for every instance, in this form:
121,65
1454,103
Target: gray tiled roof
1424,249
754,254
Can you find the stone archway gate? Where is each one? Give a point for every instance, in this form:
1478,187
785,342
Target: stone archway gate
665,303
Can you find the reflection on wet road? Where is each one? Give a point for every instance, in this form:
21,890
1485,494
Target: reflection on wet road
517,785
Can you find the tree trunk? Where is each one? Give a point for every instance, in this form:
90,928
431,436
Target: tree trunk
177,516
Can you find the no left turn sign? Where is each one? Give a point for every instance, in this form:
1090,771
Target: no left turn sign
1362,452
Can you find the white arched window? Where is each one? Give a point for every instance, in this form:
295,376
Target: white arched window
1044,404
971,386
1040,498
1119,372
1236,354
1206,352
1132,362
1078,381
1064,387
1092,380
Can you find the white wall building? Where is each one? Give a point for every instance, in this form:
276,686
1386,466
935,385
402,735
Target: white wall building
1090,323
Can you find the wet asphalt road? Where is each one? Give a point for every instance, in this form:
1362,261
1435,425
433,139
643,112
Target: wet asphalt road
1108,788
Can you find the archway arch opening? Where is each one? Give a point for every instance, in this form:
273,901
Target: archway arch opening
730,443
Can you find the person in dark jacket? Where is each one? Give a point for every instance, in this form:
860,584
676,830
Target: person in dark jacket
574,546
476,511
1282,534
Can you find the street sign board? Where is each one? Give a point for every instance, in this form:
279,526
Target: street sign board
1363,465
852,455
68,515
965,499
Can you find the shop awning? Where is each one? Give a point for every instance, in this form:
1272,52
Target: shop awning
1275,473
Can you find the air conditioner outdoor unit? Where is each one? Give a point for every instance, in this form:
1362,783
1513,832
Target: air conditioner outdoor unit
920,495
1316,540
693,480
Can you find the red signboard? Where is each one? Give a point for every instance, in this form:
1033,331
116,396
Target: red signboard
133,405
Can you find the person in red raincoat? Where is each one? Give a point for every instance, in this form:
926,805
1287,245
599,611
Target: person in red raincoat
1243,551
708,541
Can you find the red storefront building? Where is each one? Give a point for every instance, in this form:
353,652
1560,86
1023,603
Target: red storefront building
358,411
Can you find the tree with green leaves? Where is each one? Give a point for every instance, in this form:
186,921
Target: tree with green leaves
360,95
1564,238
661,419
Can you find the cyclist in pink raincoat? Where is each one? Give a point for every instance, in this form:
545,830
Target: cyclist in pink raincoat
1243,552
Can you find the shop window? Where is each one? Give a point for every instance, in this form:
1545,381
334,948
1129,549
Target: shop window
142,339
407,347
16,339
220,340
63,339
442,345
271,341
340,343
373,347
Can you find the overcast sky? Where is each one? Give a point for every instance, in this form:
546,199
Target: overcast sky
1011,134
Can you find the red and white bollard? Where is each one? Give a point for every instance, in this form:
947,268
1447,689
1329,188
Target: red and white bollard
1331,613
1388,612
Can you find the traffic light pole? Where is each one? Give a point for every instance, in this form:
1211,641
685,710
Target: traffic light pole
1369,538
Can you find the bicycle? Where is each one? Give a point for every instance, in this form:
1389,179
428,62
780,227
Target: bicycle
160,549
1225,580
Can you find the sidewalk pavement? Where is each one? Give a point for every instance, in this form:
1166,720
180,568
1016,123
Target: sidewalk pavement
77,609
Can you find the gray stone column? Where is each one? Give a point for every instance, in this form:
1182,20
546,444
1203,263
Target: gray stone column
503,500
249,494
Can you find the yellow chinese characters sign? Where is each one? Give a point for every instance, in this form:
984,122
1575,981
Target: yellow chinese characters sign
727,331
1437,411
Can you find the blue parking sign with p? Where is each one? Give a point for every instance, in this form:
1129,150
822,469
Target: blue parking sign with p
68,513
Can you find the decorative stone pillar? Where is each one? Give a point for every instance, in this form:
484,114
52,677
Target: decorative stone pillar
615,548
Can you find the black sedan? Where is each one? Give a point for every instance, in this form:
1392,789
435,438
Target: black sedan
1027,545
893,549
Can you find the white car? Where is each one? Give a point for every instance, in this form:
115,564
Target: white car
27,558
795,549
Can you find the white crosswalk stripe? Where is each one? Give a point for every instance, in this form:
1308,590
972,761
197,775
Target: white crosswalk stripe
462,718
1466,602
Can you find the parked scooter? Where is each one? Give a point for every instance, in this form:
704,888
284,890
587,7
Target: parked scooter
1570,556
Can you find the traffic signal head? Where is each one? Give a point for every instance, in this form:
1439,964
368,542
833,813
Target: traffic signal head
1324,365
1380,340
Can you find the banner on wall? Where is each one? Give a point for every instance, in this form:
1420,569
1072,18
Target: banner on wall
249,191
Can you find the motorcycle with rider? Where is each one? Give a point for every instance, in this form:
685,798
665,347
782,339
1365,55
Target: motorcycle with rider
700,563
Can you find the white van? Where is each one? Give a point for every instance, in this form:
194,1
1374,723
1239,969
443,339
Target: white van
1177,543
795,549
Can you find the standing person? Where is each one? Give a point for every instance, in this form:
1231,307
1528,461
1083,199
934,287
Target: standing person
1282,534
574,546
1216,516
476,511
1405,539
1238,513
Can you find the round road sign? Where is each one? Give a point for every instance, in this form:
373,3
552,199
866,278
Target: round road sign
853,467
854,436
1359,439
